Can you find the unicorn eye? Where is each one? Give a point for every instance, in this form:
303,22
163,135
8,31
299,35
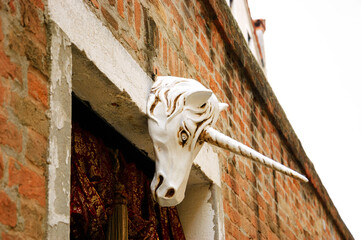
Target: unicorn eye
184,136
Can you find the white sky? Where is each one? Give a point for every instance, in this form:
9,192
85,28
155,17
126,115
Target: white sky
313,51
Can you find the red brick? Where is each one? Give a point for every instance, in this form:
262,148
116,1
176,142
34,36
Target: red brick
131,42
215,37
226,206
218,78
4,91
38,3
31,22
171,60
130,12
204,42
191,57
265,148
201,22
30,114
37,86
226,194
109,18
237,119
1,32
36,148
31,185
33,220
1,165
95,3
212,84
182,71
204,57
112,2
11,235
235,231
254,219
160,10
227,225
189,36
180,37
37,55
10,135
203,72
249,229
12,7
261,202
137,17
243,236
222,57
165,53
234,216
177,17
261,214
176,64
232,184
229,237
8,69
8,210
267,197
120,8
6,236
249,175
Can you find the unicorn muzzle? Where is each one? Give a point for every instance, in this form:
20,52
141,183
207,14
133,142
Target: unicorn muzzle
164,193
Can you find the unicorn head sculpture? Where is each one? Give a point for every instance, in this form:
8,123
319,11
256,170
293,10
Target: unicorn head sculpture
181,114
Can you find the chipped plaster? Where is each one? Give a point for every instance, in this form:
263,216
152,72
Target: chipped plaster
59,137
201,212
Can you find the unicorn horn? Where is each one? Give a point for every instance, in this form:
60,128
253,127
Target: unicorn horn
218,139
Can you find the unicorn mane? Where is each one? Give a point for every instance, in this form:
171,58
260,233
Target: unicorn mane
172,92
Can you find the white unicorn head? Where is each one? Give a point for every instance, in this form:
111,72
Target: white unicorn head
178,109
181,115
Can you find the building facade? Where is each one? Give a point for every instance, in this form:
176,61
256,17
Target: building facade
108,53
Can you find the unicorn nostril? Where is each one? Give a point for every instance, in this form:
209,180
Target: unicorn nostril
160,181
170,193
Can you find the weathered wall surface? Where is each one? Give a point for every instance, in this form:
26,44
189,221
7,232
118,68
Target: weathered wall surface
24,125
199,39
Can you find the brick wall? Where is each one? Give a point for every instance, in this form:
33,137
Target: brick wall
23,122
200,40
192,38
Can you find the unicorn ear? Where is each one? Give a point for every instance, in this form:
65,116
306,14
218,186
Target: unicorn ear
222,106
198,98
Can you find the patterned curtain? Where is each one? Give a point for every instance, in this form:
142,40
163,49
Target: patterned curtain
99,178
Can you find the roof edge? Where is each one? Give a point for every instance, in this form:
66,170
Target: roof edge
232,35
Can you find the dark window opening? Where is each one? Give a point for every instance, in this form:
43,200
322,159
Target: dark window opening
110,185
